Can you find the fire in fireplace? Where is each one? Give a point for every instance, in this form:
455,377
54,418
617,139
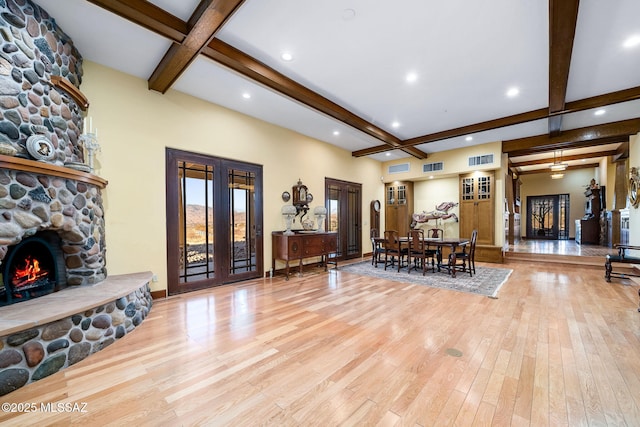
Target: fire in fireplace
32,269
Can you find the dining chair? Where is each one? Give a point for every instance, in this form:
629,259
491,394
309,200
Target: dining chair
419,250
436,233
393,248
466,258
376,247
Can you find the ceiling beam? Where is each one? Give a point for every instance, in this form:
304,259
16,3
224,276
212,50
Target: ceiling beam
563,16
585,166
147,15
242,63
617,97
464,130
582,137
570,145
167,25
561,158
205,21
622,152
611,98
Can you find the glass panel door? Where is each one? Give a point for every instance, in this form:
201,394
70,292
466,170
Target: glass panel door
196,222
344,206
543,217
335,219
242,225
214,221
354,213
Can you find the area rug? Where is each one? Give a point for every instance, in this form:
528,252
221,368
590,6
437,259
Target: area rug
487,280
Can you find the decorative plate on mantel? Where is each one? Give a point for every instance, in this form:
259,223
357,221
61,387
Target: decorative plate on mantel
40,148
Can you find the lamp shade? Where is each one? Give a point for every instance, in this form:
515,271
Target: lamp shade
320,210
289,210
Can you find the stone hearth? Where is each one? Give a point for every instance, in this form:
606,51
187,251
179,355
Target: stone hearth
46,186
42,336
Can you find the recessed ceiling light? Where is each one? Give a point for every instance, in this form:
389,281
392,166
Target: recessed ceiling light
336,133
469,138
395,124
387,154
514,91
348,14
286,56
246,95
411,77
632,41
599,112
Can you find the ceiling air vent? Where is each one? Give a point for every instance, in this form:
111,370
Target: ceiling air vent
486,159
432,167
402,167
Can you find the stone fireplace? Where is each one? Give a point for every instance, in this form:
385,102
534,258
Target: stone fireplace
62,211
52,232
45,185
33,268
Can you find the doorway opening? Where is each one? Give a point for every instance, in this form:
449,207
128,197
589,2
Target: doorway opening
343,201
548,217
214,221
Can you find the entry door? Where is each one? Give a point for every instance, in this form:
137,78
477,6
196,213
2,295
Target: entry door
344,215
542,217
477,206
547,217
214,221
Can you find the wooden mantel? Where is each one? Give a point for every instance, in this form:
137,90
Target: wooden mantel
34,166
65,85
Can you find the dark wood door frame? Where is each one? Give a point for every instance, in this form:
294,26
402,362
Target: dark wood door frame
350,217
220,205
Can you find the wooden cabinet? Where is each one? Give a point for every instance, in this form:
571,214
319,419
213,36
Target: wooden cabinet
477,206
590,223
398,207
302,245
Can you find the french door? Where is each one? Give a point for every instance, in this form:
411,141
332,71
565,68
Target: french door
548,217
214,221
344,215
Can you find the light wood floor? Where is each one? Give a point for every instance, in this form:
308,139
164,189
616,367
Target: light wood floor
559,346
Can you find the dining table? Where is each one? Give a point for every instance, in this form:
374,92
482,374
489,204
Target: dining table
440,242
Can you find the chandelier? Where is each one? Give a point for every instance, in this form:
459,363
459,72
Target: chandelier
557,167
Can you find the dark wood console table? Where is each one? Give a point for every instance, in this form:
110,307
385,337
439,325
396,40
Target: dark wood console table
301,245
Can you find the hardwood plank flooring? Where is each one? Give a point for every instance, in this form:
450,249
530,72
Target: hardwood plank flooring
559,346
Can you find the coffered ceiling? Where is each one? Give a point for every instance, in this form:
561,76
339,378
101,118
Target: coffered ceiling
388,80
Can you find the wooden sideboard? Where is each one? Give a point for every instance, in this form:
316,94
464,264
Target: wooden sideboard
303,245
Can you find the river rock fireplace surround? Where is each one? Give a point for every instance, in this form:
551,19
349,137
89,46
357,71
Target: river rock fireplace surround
60,208
57,304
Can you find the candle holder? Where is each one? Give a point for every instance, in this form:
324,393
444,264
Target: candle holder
90,143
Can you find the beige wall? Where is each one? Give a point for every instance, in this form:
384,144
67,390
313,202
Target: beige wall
134,127
433,188
428,194
573,183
